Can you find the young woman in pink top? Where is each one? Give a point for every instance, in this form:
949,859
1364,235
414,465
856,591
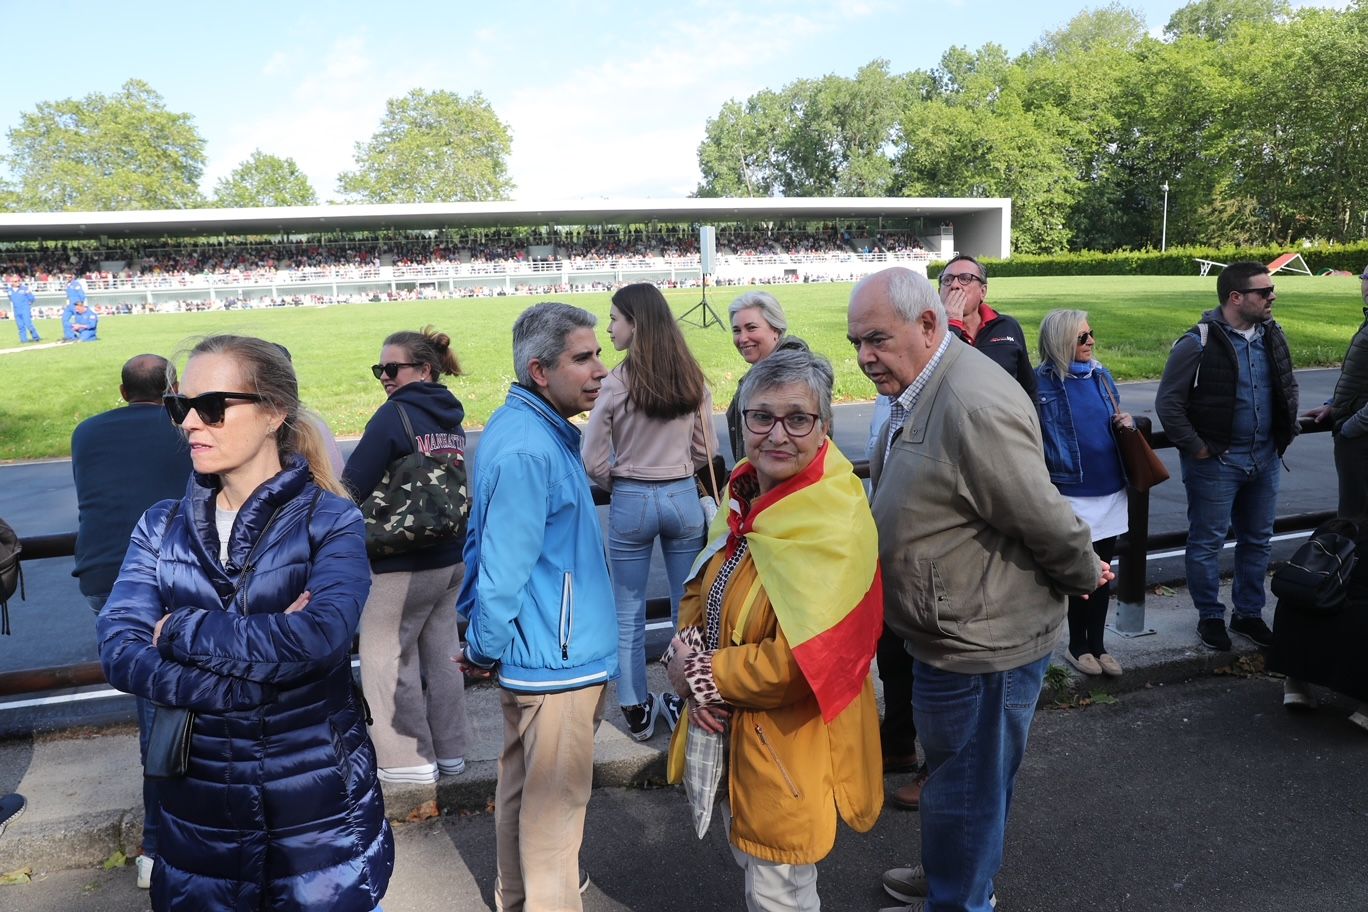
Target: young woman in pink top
646,438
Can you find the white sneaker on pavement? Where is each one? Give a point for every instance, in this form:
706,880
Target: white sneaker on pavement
145,864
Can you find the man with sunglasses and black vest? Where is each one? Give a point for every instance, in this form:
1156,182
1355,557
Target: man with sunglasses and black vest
123,461
1228,401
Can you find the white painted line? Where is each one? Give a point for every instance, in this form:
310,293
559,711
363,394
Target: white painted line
65,698
101,694
1286,536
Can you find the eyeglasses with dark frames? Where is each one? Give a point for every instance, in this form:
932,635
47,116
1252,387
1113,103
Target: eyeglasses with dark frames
1266,293
1085,336
797,424
961,278
209,406
390,369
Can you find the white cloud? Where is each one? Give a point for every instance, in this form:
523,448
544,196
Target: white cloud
631,126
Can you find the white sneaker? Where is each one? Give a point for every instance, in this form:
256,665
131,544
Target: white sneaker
422,775
1297,695
144,863
1360,716
451,767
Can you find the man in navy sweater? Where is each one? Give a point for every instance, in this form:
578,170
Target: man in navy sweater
124,461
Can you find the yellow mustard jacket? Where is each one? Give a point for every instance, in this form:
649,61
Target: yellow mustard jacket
789,772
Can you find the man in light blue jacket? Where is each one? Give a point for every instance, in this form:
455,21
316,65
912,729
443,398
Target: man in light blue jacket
540,605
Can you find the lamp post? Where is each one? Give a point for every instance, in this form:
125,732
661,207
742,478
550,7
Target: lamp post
1163,238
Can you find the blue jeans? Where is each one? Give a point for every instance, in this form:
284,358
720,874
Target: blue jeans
151,800
1221,495
973,728
640,512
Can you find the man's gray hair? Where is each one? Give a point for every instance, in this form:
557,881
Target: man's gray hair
539,335
792,366
769,309
910,293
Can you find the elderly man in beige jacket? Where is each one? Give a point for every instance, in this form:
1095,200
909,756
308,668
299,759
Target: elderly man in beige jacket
978,551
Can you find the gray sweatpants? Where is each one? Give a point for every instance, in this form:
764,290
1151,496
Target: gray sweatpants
408,636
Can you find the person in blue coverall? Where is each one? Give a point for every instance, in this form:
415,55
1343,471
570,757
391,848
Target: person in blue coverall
21,304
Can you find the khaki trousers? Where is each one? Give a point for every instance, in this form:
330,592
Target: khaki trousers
408,636
546,772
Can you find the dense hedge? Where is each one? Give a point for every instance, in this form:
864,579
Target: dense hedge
1174,261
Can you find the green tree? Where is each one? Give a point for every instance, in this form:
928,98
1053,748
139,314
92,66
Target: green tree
814,137
105,152
1114,24
265,180
432,147
1217,20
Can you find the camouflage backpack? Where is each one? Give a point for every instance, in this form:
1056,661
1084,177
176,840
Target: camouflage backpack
11,576
420,501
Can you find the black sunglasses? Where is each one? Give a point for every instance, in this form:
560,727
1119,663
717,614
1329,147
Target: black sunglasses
1263,292
1085,336
209,406
390,369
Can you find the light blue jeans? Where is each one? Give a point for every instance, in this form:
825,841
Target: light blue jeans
1220,496
638,514
973,728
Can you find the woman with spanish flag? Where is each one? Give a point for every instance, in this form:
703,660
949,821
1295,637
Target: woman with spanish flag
778,627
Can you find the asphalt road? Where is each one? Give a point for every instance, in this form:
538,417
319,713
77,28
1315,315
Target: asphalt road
1200,796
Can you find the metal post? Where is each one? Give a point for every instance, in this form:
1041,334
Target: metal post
1163,237
1130,570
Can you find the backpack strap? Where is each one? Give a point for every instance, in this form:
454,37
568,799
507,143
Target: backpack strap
408,427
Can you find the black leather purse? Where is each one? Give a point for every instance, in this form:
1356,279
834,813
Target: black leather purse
168,742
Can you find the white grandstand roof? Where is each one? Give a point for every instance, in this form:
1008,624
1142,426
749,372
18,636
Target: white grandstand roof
327,219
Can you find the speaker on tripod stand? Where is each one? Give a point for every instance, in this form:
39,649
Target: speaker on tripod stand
707,255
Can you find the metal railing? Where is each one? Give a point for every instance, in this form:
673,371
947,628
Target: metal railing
1132,555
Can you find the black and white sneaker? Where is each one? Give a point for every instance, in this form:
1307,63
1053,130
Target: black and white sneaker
11,806
641,718
671,708
1253,629
1212,633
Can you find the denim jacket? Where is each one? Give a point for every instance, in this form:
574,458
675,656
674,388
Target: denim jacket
1056,421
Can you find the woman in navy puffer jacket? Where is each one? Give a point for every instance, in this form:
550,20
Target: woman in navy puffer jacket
240,602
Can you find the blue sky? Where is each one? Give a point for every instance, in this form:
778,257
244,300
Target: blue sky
604,99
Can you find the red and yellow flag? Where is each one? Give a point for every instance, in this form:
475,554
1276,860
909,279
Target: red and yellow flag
816,550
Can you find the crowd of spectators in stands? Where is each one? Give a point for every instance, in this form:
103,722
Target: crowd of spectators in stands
227,265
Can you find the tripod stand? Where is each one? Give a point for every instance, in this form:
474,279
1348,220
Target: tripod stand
706,315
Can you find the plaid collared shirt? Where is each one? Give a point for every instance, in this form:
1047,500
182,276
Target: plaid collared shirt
901,407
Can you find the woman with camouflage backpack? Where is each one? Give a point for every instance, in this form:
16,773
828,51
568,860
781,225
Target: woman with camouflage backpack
408,627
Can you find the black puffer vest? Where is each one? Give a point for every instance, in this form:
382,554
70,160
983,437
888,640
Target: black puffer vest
1351,391
1211,408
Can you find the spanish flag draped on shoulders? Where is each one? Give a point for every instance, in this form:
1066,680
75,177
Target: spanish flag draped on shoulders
800,619
815,547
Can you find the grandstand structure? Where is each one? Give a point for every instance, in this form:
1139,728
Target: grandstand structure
168,260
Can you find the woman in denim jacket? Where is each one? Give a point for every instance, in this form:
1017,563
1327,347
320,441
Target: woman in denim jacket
1078,403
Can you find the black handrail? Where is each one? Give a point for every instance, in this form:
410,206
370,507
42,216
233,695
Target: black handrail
1132,552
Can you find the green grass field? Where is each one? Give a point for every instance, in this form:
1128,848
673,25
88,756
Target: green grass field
46,392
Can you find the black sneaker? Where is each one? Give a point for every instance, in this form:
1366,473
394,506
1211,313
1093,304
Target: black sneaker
671,708
1253,629
641,718
1213,634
